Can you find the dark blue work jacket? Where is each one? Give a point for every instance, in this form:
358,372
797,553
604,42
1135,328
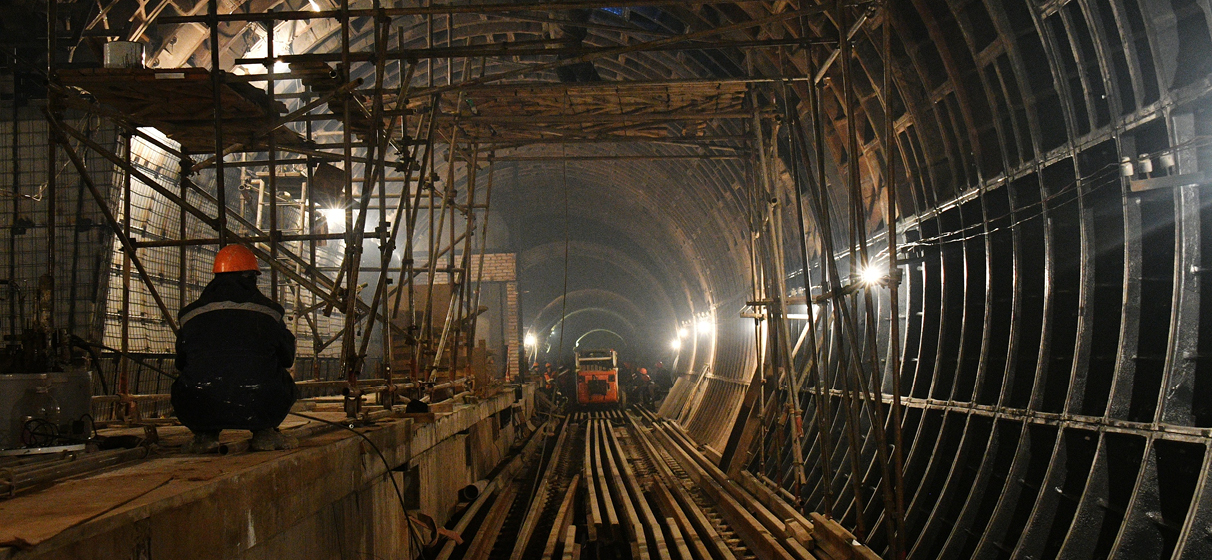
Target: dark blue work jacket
232,351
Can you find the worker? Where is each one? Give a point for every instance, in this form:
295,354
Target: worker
643,385
549,379
233,351
661,381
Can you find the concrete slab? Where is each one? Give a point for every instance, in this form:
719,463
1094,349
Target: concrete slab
330,498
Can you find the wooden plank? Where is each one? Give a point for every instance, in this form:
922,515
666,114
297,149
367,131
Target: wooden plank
26,521
572,551
593,511
753,505
680,526
649,520
837,541
796,525
679,541
563,518
540,495
703,531
756,536
800,534
503,479
631,520
775,503
489,530
465,520
611,521
799,551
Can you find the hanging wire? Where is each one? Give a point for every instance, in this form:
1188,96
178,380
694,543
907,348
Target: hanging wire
412,532
1105,176
564,298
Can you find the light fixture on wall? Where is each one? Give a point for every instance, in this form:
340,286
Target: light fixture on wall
872,275
335,218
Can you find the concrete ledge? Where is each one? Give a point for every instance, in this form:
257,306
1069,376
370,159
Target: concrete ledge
329,498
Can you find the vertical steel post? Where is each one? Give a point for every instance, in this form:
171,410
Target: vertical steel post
12,238
274,234
894,283
183,255
311,249
349,362
123,388
823,215
386,245
52,148
798,158
465,265
778,285
475,304
859,256
216,84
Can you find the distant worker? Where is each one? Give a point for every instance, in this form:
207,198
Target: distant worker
549,380
643,385
233,351
661,380
625,374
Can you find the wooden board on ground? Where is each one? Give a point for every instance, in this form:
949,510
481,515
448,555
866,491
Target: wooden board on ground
29,520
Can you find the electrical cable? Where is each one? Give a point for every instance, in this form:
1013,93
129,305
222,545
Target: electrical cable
1093,182
399,493
567,242
92,352
959,235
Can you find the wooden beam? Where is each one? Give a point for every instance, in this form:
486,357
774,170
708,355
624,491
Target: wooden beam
436,9
526,49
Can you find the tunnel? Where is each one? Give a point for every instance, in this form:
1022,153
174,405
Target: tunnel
930,271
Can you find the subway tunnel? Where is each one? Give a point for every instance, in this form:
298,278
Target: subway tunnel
930,270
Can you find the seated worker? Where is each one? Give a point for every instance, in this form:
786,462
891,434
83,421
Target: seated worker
233,349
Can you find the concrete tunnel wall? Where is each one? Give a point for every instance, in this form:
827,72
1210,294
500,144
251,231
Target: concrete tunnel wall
1053,351
333,499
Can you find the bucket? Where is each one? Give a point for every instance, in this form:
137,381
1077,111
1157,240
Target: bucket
123,54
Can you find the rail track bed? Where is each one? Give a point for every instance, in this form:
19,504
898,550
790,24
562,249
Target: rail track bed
628,485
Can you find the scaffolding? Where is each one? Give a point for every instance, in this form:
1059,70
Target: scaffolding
324,143
327,156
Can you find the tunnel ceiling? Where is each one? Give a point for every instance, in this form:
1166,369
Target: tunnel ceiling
1051,351
971,104
983,92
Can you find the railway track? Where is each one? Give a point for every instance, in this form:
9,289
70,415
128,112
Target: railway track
628,485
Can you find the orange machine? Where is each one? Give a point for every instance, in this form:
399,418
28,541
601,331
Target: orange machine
597,378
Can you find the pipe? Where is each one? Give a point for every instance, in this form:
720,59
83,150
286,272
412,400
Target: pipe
473,490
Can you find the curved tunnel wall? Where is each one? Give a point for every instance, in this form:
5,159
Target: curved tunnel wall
1053,351
1053,357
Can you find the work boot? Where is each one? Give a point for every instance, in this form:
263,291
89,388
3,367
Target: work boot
270,439
204,442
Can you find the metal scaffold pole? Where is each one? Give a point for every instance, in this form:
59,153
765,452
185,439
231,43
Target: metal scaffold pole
216,80
894,283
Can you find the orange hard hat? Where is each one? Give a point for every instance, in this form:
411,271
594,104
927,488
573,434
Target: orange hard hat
644,371
235,258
